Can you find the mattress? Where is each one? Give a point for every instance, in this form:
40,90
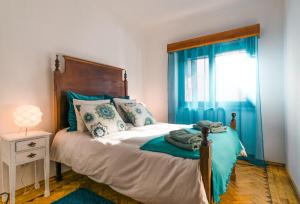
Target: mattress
117,161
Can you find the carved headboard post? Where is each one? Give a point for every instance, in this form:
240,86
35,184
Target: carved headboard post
57,95
233,121
125,84
56,63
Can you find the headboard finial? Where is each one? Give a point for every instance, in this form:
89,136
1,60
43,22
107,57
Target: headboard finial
125,84
125,75
56,63
233,121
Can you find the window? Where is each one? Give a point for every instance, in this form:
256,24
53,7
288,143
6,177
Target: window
234,73
235,77
200,77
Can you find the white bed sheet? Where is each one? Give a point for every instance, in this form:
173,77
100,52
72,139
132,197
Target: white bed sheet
117,161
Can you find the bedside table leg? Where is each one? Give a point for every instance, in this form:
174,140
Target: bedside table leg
36,182
46,172
4,196
12,183
2,177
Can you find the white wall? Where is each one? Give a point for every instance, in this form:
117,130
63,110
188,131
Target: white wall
32,31
292,105
269,13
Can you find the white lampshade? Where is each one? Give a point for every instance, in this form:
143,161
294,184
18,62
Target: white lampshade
28,116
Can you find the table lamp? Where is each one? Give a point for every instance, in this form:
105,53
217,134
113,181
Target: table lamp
27,116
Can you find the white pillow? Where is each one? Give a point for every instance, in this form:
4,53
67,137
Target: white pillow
138,114
101,119
118,102
80,124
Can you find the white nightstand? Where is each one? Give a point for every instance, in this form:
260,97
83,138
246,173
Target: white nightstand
19,149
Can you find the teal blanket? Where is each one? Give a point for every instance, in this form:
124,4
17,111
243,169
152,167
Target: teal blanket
226,147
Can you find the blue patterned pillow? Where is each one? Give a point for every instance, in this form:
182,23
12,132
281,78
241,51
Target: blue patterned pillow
117,102
71,112
101,119
138,114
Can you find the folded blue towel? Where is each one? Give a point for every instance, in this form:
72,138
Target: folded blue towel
197,127
209,124
185,137
214,127
190,147
204,123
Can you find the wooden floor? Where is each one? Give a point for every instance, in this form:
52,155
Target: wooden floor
253,185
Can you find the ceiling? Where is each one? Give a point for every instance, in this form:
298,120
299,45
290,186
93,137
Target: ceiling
147,13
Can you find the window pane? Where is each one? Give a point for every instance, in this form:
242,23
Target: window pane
188,82
197,81
235,77
203,79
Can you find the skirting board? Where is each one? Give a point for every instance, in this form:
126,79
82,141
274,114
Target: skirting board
293,185
275,163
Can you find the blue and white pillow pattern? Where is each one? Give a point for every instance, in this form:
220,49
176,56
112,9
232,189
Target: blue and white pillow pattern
138,114
101,119
118,102
80,124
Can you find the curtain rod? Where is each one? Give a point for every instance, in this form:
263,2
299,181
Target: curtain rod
244,32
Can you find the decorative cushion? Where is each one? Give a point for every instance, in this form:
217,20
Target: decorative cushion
118,102
80,124
138,114
112,97
71,113
101,119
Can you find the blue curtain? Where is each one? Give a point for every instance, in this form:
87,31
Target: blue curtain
210,82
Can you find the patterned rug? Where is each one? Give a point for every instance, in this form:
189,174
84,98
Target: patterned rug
82,196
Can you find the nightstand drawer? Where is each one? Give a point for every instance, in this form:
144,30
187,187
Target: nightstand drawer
30,144
29,156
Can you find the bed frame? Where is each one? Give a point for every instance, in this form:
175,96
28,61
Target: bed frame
90,78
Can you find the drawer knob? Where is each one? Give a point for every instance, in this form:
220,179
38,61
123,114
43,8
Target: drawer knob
32,144
31,155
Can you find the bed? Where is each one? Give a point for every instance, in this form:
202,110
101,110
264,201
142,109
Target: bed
116,160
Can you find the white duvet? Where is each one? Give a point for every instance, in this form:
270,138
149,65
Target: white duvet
117,161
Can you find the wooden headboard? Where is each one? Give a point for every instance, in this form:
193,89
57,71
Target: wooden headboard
84,77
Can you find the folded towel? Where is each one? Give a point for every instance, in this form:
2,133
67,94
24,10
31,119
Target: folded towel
216,124
190,147
185,137
204,123
218,129
197,127
209,124
179,132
